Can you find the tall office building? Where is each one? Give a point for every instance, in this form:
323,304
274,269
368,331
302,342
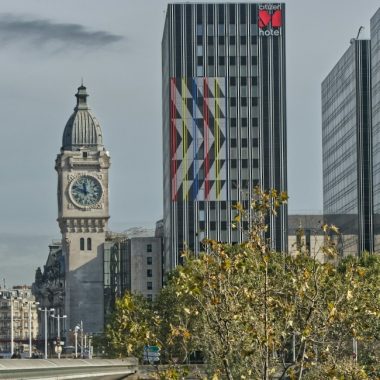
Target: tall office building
224,119
375,73
347,147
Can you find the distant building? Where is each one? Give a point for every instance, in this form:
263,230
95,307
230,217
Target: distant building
375,78
20,304
351,144
224,119
305,234
132,264
49,290
347,146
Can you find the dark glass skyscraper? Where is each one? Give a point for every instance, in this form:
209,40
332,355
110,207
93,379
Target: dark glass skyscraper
375,72
224,119
347,147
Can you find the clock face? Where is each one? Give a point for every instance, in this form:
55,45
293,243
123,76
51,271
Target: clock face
86,191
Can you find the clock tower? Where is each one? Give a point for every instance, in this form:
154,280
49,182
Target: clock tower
83,214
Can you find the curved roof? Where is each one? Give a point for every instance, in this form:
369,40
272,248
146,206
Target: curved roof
82,129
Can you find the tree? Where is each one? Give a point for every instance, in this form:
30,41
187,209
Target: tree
130,327
259,314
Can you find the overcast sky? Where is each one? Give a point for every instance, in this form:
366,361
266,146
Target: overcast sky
47,46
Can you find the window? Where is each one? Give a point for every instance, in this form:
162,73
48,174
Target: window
89,244
244,163
149,297
232,60
149,273
149,248
81,243
84,155
243,40
199,29
149,285
233,143
244,143
243,60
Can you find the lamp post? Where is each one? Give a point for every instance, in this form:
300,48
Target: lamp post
79,327
58,317
81,340
45,310
76,341
12,330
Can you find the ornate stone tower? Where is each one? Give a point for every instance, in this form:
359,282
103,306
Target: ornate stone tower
83,214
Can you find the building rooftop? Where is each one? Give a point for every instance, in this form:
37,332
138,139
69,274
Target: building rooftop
82,129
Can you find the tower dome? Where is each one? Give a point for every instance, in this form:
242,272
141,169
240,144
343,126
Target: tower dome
82,129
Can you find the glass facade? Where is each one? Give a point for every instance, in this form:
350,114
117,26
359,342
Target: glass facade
224,119
375,73
116,272
346,144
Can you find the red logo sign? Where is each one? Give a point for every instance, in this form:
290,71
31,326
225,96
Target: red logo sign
266,18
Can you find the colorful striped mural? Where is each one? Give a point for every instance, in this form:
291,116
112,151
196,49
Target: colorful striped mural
198,138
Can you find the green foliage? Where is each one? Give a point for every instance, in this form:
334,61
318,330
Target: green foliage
259,314
131,327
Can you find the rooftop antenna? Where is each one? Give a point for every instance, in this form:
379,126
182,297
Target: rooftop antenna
81,81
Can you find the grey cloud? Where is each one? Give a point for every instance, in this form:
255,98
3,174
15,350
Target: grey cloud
44,32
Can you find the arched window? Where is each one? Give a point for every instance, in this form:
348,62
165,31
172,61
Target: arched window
82,244
89,244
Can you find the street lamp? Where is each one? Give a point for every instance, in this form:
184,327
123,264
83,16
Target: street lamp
45,310
58,317
77,328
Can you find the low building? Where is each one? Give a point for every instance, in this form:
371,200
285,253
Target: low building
132,262
18,306
305,235
49,290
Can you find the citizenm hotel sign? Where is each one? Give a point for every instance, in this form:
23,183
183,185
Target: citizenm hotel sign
269,19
